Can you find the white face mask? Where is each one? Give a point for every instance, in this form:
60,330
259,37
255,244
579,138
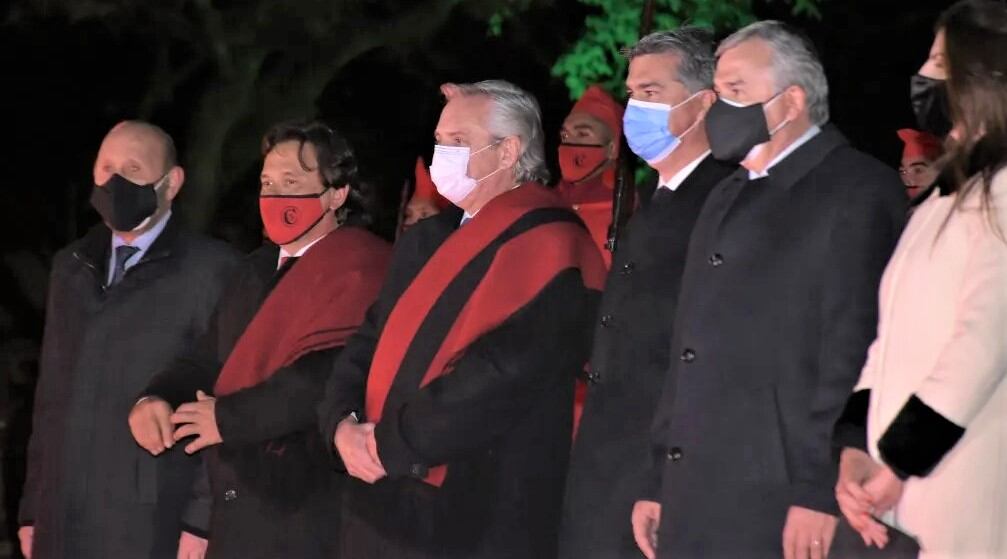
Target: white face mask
449,171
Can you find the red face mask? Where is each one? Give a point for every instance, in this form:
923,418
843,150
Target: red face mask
576,162
288,217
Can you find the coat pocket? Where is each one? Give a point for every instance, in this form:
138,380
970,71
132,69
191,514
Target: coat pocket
764,451
146,480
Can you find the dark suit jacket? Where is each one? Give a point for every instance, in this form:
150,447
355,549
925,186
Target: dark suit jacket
777,307
628,365
91,491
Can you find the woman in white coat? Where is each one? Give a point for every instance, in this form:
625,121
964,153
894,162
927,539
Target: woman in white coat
924,436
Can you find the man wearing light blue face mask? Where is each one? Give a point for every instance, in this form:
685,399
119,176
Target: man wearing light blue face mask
670,85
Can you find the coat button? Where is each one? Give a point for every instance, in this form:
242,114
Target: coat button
606,320
627,268
594,377
230,495
715,259
688,356
418,470
674,454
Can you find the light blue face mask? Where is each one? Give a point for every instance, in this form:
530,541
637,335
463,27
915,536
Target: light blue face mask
646,127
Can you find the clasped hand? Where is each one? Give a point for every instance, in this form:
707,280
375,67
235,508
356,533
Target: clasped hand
866,489
359,450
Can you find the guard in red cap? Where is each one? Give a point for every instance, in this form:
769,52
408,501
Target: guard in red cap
918,170
425,201
588,153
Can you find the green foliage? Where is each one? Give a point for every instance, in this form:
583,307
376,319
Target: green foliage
597,58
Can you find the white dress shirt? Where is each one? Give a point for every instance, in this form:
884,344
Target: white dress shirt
141,243
299,253
800,141
678,178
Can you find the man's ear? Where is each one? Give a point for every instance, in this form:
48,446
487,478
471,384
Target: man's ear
339,196
797,102
176,177
510,151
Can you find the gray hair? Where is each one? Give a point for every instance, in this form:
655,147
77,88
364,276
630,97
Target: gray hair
694,47
795,62
515,112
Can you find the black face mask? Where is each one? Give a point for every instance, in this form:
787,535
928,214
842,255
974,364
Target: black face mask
124,204
733,131
929,98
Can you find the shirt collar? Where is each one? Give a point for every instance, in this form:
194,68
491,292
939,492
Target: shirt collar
284,254
800,141
145,239
678,178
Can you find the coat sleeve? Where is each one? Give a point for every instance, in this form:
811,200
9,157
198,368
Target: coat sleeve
971,365
851,427
284,403
49,385
347,377
194,371
196,516
864,232
494,383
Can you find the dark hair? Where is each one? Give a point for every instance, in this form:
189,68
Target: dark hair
336,164
694,47
975,36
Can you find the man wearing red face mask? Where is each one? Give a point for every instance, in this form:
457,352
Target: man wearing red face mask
588,156
918,168
287,312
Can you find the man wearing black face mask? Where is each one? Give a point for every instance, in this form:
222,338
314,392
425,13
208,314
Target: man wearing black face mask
777,307
123,301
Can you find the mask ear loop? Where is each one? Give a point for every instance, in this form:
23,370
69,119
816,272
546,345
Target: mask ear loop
785,122
698,120
484,148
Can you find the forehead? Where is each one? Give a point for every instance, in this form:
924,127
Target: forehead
582,120
289,155
464,114
751,58
657,68
132,143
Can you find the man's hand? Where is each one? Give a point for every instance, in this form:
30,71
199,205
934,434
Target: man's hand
191,546
150,425
884,488
26,534
197,418
855,468
807,533
646,518
358,449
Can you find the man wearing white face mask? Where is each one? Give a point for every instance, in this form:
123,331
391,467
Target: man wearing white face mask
670,83
452,404
778,304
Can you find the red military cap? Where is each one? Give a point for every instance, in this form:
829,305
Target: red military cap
599,104
920,144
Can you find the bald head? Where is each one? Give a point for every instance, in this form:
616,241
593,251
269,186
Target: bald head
144,154
142,141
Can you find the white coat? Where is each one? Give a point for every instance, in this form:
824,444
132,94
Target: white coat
942,336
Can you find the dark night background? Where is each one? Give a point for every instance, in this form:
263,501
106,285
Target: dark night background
66,82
